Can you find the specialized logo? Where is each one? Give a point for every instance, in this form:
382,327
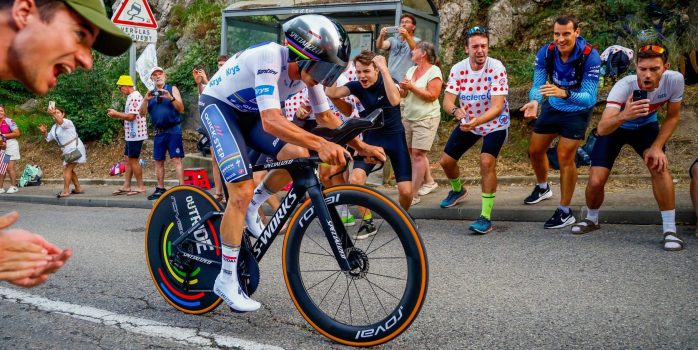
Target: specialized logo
277,164
266,71
304,43
264,90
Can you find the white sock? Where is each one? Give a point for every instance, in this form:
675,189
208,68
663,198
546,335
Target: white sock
229,263
343,210
593,215
565,208
261,194
669,220
542,185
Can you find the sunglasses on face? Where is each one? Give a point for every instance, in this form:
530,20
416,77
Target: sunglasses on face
476,30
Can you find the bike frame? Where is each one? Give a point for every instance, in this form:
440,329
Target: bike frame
305,180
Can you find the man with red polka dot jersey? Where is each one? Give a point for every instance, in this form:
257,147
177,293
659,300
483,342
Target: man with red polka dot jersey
565,84
480,84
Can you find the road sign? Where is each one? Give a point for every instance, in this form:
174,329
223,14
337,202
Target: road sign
147,35
135,13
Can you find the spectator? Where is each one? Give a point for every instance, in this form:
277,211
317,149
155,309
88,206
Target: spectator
44,27
66,136
567,73
377,89
481,85
135,130
400,46
164,104
693,171
633,121
201,80
9,132
420,90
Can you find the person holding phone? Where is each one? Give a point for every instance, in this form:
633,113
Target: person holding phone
400,46
630,118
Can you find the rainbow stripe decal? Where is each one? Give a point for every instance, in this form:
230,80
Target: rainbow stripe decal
300,51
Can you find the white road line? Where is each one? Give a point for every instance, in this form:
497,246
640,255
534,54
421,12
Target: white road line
186,336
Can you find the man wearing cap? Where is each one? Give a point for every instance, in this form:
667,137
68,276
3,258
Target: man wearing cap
136,130
39,40
164,104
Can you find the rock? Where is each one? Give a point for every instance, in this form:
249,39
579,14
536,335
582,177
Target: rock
500,22
452,16
30,105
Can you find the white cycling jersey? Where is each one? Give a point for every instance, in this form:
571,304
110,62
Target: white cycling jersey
256,79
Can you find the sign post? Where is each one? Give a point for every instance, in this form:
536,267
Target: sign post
135,18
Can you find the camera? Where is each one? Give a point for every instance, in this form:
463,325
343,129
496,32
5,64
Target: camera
157,94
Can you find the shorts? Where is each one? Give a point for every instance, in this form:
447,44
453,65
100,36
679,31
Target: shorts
257,158
460,142
421,133
12,149
132,149
233,134
607,148
395,147
570,125
690,169
167,143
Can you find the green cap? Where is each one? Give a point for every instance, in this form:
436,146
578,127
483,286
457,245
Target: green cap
111,40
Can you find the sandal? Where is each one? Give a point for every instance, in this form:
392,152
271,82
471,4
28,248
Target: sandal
585,226
73,191
133,193
119,192
672,239
60,195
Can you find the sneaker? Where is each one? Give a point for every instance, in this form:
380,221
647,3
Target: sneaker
416,200
427,188
2,190
12,190
538,195
348,220
158,192
560,219
254,223
366,230
234,296
482,225
453,198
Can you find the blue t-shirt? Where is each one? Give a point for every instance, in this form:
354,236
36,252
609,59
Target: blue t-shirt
375,97
163,109
582,97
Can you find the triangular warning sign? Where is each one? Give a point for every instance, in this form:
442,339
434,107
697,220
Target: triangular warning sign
135,13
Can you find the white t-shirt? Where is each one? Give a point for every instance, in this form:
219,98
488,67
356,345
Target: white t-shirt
137,129
670,89
475,89
67,137
257,79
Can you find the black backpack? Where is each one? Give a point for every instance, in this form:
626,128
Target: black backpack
578,64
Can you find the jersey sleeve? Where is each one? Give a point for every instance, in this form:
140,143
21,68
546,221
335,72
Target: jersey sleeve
133,104
540,75
586,96
13,126
619,94
500,81
452,86
267,69
677,88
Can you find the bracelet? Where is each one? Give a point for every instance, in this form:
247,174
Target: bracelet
453,111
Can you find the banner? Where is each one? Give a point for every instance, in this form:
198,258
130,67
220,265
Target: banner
145,62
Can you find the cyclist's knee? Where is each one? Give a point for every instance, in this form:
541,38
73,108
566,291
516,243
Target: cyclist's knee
290,151
240,194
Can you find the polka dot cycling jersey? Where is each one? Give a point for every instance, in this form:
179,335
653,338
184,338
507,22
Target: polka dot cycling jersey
292,104
475,89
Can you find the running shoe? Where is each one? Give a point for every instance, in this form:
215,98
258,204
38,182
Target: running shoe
482,225
453,198
538,195
560,219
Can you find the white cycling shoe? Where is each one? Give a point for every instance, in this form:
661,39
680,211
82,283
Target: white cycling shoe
254,223
234,296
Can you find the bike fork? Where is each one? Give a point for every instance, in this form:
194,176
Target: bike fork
335,237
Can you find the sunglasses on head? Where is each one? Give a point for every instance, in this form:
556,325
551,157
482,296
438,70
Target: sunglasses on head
654,48
476,30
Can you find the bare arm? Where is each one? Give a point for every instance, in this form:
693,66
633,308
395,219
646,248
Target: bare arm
612,118
120,115
337,92
428,94
391,88
177,103
381,43
13,134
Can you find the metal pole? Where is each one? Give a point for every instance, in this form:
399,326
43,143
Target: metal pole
132,62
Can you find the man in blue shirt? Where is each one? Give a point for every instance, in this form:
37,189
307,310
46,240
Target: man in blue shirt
565,82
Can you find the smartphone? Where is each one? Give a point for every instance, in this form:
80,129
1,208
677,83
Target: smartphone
639,95
51,105
392,30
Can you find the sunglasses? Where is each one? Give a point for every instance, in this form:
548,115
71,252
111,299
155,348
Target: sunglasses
476,30
654,48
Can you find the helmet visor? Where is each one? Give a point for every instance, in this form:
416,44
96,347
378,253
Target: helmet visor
322,72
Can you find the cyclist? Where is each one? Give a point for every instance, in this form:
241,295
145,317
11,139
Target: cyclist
241,108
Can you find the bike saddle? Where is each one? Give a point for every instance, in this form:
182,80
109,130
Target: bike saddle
350,128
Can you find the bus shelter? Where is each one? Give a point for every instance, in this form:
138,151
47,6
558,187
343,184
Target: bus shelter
248,22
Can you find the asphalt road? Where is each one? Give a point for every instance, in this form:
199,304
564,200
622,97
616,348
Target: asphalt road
520,287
